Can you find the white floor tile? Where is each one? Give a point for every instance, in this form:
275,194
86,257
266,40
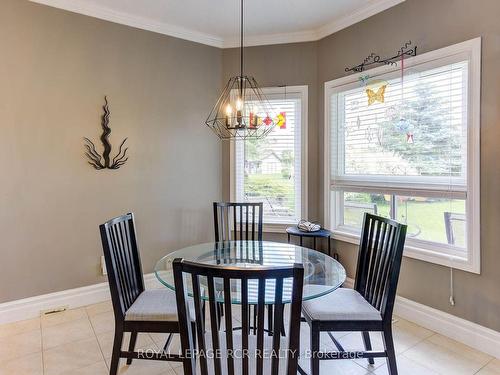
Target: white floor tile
103,322
73,356
99,308
16,328
406,367
27,365
50,320
98,368
447,356
337,367
492,368
20,345
63,333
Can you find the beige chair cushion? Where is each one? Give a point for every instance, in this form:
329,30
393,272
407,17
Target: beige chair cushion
341,304
157,305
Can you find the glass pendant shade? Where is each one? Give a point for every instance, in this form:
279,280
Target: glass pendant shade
242,111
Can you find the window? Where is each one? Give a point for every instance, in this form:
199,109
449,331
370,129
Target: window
273,170
405,145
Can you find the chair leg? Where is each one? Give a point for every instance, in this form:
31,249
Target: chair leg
219,315
315,336
270,319
117,347
193,332
391,353
368,346
254,319
131,345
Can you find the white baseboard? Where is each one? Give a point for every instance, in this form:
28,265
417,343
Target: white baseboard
472,334
28,308
461,330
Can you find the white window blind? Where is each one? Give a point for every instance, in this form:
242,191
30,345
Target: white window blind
405,145
270,170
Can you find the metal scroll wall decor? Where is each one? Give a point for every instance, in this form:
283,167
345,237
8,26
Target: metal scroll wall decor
104,161
374,59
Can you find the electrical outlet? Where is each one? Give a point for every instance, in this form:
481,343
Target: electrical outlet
104,272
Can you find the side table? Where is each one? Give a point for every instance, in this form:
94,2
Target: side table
322,233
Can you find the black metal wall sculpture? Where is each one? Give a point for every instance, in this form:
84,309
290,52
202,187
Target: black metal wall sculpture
104,161
373,58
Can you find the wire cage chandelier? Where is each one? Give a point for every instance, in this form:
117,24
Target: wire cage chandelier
242,110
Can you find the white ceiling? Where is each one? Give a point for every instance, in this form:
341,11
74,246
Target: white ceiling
216,22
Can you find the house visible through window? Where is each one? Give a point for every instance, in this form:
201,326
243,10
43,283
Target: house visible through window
405,145
272,170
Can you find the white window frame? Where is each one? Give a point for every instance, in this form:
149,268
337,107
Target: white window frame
280,92
430,251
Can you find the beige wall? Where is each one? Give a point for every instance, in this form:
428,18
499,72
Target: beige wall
55,68
430,24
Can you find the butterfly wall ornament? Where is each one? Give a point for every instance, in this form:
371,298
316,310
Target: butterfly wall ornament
375,89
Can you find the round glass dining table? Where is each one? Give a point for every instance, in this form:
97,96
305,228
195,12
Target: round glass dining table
322,273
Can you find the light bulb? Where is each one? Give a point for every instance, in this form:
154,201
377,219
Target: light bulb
239,104
229,110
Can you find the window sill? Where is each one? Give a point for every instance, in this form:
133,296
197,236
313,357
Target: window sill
277,227
419,253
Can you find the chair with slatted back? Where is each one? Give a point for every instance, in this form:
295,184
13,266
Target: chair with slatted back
238,221
238,350
135,309
369,306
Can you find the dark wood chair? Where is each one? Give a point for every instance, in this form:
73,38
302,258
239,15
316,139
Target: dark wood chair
369,306
238,221
230,342
135,309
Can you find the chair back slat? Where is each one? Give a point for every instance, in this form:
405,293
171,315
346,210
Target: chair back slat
123,264
260,324
239,252
235,284
229,324
379,261
245,328
214,324
199,316
234,221
278,318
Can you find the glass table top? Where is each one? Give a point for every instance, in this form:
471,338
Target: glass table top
322,273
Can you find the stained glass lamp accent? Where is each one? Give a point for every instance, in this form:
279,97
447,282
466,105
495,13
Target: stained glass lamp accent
242,110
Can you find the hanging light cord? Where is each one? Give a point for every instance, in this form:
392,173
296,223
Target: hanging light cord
452,292
241,41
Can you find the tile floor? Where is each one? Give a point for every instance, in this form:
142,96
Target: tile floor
79,341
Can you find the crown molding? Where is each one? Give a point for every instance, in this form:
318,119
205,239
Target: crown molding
92,10
103,13
361,14
268,39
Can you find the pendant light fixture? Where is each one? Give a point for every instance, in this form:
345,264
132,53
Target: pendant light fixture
242,110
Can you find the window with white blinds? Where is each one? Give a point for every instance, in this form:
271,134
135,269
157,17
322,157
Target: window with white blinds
404,144
272,170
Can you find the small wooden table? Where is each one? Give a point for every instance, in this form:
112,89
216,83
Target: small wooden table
322,233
